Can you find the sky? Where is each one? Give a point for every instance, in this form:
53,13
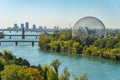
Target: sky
63,13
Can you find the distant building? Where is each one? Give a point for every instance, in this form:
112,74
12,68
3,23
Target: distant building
45,27
22,26
89,26
15,27
40,27
27,26
56,27
9,28
34,27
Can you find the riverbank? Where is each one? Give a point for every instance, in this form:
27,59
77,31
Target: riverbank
62,41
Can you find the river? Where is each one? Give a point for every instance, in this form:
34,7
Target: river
95,68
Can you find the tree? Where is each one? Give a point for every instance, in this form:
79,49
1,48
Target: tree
117,45
1,66
44,72
83,77
76,47
110,43
88,40
65,75
25,62
44,40
55,64
39,67
8,54
11,72
55,45
114,54
17,72
51,74
33,74
86,51
100,43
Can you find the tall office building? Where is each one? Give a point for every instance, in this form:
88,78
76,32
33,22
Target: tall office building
27,26
45,27
40,27
15,27
54,27
22,26
34,27
57,27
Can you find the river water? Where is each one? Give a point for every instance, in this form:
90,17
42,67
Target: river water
95,68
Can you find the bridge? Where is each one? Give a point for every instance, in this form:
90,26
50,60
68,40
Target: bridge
10,35
31,30
19,40
22,35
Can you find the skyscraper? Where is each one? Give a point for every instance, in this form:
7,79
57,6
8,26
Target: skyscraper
34,27
15,27
22,26
27,26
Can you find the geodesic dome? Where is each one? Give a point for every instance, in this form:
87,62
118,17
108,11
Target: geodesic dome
89,26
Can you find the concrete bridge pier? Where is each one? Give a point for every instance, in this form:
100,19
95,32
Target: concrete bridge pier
23,34
16,43
17,31
32,44
9,37
36,37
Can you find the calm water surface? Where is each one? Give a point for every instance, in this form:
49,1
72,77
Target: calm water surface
96,69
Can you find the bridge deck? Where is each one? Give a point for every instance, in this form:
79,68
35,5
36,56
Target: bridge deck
18,40
21,35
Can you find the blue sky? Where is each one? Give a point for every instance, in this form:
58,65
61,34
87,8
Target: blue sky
58,12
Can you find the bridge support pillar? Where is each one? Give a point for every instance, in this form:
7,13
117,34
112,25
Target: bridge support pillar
23,34
16,43
36,37
10,37
32,44
10,31
0,43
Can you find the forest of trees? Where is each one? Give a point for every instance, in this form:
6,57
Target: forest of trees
13,68
62,41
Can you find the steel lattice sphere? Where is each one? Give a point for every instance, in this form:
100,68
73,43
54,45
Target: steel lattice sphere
89,26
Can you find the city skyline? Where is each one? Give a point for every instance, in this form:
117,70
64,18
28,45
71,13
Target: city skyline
63,13
27,26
